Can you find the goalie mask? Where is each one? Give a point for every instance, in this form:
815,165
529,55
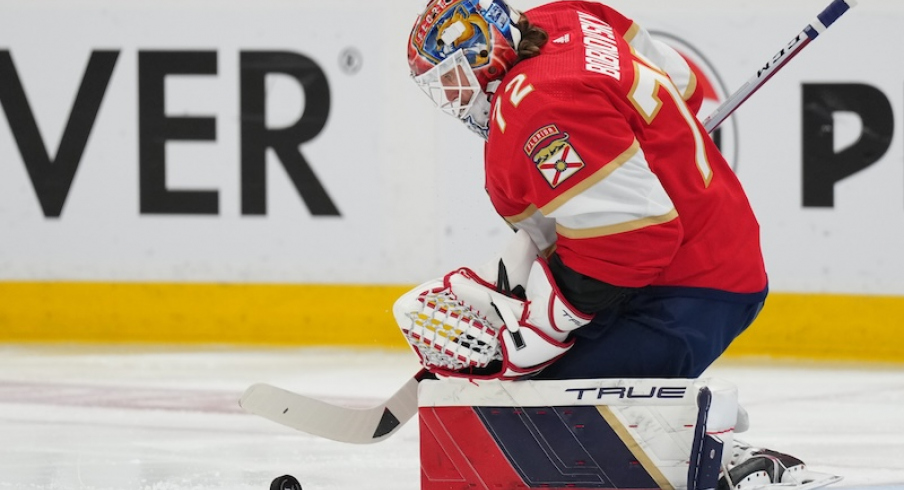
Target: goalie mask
458,52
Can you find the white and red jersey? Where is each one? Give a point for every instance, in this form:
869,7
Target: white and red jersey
594,147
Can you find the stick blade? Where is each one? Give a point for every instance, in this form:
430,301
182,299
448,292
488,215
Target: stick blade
334,422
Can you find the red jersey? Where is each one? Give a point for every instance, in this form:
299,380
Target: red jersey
594,148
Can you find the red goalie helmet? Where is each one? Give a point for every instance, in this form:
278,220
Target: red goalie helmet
458,52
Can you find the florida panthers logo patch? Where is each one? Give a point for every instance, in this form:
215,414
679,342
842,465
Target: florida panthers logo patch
556,159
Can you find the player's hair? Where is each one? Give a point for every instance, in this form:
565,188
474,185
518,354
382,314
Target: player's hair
532,39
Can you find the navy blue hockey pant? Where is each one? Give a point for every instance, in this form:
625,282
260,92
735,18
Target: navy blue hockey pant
659,333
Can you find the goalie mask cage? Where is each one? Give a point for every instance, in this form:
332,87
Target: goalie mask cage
567,435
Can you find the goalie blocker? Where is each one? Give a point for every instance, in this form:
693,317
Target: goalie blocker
575,434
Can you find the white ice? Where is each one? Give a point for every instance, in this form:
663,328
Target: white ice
167,418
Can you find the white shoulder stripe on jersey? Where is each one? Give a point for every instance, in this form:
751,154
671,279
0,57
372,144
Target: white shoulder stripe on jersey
677,68
627,226
665,58
592,180
624,195
620,193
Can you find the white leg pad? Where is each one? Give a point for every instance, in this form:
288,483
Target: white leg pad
575,433
723,414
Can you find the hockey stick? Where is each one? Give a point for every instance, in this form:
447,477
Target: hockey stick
822,22
338,423
374,424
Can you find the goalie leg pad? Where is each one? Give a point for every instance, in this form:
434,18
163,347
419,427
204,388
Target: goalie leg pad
563,434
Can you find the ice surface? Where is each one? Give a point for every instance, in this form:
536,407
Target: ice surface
167,418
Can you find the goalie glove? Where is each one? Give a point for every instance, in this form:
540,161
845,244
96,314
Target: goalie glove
461,326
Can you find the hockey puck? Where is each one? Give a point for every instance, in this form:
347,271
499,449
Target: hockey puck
285,482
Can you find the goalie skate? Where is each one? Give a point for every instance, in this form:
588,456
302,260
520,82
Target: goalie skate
764,469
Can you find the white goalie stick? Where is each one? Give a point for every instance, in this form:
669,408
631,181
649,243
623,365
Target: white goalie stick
335,422
374,424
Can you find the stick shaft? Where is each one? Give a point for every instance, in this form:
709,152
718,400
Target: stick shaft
822,21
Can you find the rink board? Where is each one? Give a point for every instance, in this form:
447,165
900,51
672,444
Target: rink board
826,327
166,217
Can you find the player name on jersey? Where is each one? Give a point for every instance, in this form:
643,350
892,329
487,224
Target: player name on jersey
600,49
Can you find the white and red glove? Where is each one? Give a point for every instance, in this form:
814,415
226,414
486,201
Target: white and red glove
461,326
